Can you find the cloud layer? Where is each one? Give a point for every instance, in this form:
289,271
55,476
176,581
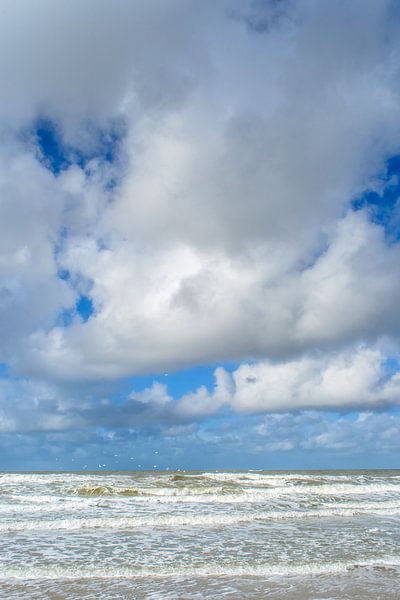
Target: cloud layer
210,154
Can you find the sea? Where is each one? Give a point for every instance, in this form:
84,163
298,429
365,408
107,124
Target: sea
292,535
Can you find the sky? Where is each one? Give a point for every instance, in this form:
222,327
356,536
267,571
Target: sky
199,234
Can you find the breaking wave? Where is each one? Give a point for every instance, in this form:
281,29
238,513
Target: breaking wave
199,520
211,570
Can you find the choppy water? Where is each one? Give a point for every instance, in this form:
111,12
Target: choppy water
292,535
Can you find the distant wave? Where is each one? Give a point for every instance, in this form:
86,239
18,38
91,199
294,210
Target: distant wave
239,493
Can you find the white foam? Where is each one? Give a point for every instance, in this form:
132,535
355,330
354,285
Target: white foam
210,570
195,520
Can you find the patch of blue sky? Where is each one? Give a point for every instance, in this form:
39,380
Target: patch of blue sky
391,366
4,370
345,416
100,144
180,382
383,206
83,308
52,151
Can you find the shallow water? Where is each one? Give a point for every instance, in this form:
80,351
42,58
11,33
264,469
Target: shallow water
294,535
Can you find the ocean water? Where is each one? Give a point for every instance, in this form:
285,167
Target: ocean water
200,535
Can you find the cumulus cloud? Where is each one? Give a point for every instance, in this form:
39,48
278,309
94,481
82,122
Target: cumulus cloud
165,311
346,380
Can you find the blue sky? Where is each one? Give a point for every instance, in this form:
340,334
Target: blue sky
199,249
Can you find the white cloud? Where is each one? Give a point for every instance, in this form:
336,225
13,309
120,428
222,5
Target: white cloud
28,406
311,431
353,289
164,310
348,379
31,207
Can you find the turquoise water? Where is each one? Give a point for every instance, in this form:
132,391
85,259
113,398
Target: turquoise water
325,534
